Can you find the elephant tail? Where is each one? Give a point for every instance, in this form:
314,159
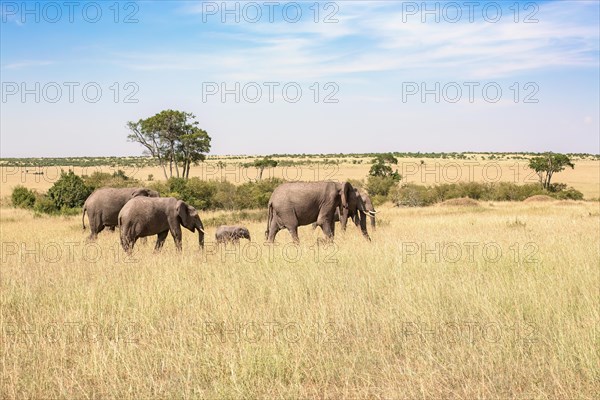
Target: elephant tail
83,217
269,219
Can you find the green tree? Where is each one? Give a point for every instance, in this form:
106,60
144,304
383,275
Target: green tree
69,191
173,138
263,163
547,165
382,167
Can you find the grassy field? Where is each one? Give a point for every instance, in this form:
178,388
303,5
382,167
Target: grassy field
585,177
494,301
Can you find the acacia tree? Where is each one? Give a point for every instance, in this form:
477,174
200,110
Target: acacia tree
382,166
549,163
263,163
173,138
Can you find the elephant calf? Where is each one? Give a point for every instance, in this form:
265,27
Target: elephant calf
147,216
233,234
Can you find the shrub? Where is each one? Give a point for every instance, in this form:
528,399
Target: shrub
207,195
45,205
380,185
412,195
569,194
69,191
23,197
102,179
357,183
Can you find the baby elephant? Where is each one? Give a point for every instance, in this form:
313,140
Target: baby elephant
147,216
231,234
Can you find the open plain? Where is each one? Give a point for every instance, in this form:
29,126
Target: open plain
497,300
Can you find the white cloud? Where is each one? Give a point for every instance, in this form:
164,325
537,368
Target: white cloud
27,64
371,37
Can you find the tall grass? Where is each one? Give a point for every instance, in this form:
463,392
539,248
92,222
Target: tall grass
394,318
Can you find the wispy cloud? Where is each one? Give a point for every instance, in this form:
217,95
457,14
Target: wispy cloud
27,64
372,37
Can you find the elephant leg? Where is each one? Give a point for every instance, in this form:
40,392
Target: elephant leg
96,226
273,229
328,229
160,240
127,243
294,232
176,233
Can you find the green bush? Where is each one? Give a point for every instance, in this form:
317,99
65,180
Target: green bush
23,197
413,195
216,195
45,205
569,194
116,180
69,191
380,185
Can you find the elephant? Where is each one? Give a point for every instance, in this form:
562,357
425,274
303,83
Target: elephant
369,208
233,234
147,216
353,206
296,204
104,204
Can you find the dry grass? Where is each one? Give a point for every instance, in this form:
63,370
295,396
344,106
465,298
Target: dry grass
428,309
460,202
539,198
585,177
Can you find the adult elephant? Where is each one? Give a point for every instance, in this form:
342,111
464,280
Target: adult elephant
104,204
146,216
296,204
368,209
353,207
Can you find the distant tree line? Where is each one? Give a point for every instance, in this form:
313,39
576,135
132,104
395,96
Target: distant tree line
292,159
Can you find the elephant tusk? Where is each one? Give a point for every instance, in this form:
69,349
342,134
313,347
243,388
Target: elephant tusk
201,230
372,212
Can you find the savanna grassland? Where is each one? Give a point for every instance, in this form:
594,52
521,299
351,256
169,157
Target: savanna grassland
499,300
585,177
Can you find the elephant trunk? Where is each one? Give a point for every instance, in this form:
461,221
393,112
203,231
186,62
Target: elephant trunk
343,217
363,225
200,235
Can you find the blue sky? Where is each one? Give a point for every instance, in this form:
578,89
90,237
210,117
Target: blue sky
369,56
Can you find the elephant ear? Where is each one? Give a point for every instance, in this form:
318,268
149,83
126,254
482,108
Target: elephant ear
346,187
186,215
140,192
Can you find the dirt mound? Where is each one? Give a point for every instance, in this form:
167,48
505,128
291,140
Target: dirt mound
538,197
460,202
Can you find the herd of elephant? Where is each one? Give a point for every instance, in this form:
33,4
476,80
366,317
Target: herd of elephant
141,212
